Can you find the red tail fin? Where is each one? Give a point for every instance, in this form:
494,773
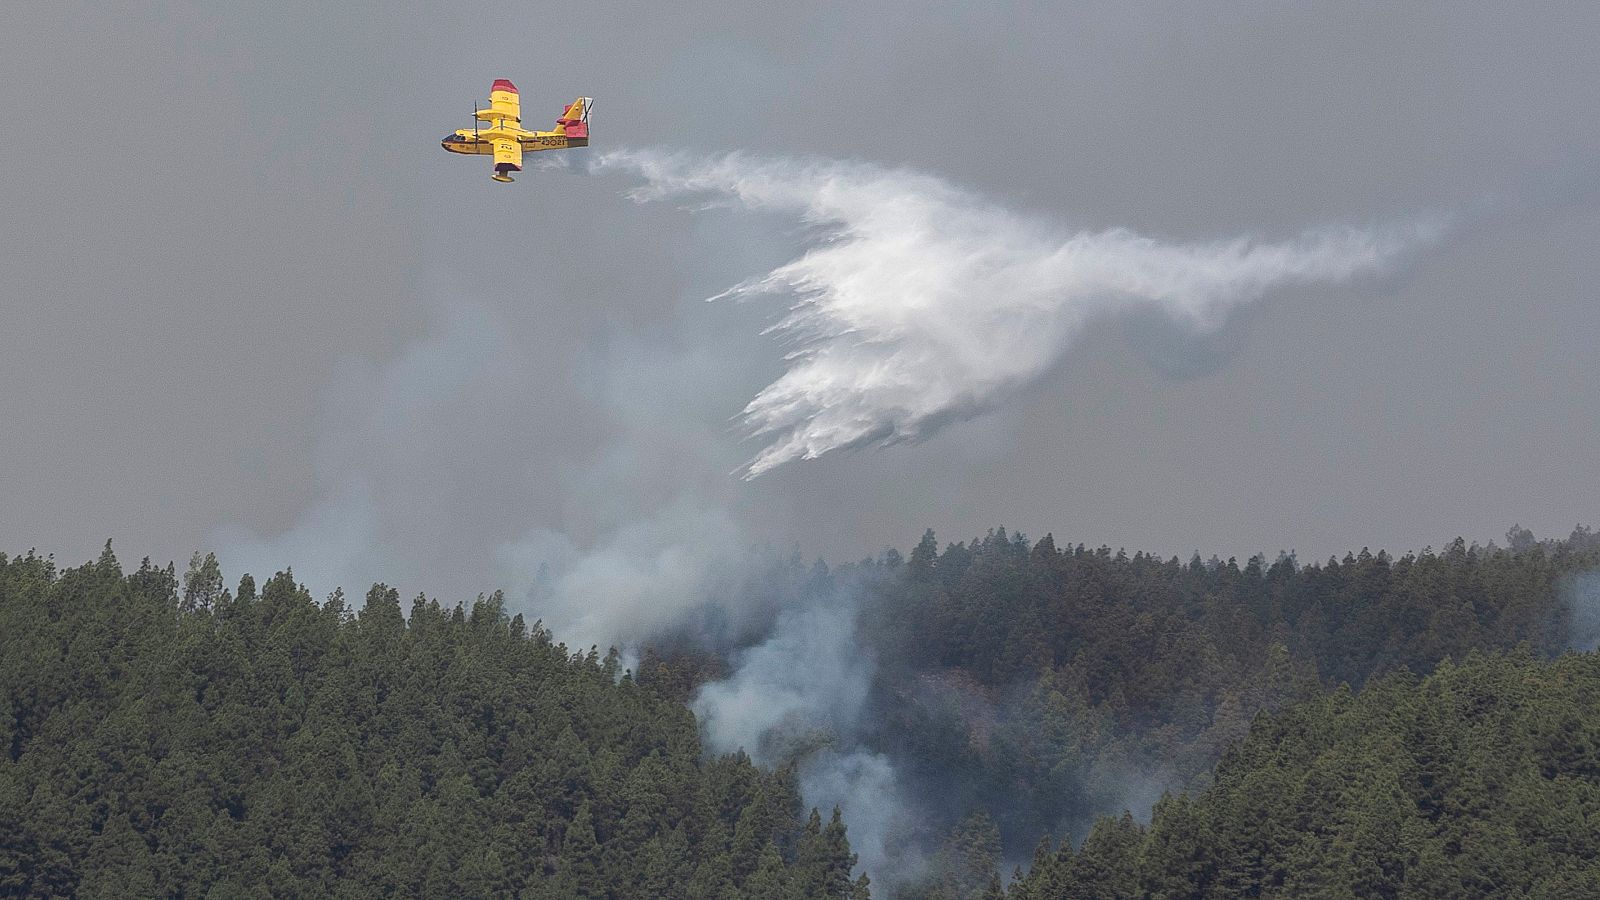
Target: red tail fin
574,120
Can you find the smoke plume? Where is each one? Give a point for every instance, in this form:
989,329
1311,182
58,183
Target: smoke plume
1581,596
636,582
802,695
920,303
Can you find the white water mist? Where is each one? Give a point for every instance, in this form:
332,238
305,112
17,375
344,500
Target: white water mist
920,303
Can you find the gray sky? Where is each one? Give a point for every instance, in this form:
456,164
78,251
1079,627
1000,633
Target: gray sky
249,303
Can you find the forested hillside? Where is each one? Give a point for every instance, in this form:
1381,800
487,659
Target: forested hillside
1042,686
189,741
1481,780
1023,688
166,736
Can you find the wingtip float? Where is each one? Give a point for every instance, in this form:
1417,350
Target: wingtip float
497,131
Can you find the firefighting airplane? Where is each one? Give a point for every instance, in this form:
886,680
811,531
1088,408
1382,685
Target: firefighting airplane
504,137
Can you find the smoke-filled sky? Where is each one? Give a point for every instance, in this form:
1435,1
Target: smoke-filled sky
1231,279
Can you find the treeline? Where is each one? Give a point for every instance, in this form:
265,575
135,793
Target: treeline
183,740
1481,780
1043,686
169,737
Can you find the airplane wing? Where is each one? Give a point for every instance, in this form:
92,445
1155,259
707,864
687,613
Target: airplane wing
504,102
507,155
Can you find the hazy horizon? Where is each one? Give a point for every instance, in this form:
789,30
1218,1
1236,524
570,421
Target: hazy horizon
304,335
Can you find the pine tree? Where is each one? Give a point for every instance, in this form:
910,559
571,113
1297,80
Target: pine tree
769,881
202,583
838,861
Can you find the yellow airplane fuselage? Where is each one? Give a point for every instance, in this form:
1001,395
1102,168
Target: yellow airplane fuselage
531,141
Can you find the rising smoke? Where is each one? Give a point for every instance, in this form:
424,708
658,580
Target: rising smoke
636,582
920,304
802,696
1581,596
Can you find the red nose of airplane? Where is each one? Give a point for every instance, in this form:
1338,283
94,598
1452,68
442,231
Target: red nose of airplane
501,84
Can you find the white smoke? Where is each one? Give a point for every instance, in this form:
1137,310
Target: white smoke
637,582
876,810
922,303
408,450
809,675
801,695
385,457
1581,595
